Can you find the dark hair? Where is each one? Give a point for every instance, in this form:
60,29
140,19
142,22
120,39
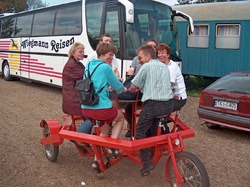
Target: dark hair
150,40
147,49
162,47
104,35
104,48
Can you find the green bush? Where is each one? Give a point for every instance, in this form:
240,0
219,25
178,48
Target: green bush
196,84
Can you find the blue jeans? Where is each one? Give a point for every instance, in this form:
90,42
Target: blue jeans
85,127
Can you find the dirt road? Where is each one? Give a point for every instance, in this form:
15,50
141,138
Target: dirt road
225,153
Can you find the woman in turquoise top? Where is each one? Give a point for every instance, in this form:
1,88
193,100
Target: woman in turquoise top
104,78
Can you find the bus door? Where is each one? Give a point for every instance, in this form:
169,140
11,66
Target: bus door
114,25
24,67
109,17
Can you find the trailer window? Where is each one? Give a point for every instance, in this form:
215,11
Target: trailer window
227,36
199,38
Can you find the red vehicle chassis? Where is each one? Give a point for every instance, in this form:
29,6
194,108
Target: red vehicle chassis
165,145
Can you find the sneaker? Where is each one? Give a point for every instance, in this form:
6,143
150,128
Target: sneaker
128,134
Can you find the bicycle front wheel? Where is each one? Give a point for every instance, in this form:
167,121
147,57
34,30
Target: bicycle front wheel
190,168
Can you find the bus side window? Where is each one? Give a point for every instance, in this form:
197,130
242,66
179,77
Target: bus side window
43,23
23,26
1,27
8,27
68,21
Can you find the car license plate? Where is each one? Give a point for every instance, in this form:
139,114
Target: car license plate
225,104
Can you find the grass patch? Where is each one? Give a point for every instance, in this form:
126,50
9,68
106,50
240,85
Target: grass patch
195,85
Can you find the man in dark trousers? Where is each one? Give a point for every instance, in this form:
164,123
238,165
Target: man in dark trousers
153,79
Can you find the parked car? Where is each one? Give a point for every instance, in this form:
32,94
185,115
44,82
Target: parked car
226,102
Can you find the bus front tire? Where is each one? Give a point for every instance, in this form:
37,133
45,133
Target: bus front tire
6,72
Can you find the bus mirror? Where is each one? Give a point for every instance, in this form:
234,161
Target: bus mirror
186,17
129,10
190,30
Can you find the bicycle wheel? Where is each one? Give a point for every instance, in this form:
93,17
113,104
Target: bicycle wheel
51,151
191,169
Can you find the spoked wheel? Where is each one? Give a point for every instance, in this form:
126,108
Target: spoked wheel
51,151
191,169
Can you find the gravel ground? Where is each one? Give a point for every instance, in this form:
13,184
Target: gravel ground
224,152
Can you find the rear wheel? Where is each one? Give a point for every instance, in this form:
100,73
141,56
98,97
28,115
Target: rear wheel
191,169
212,125
6,72
51,151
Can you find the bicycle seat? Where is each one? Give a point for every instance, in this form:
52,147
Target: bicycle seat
162,117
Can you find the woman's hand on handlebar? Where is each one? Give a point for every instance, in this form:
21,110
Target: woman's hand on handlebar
125,90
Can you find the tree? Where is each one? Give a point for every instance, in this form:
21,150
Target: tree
13,5
20,5
34,4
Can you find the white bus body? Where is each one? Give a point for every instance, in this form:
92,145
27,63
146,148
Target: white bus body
34,44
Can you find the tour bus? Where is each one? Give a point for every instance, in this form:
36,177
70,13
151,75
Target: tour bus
220,42
34,44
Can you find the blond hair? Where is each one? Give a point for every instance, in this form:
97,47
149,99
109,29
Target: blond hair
74,47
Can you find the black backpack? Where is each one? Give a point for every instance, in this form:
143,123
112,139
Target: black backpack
86,92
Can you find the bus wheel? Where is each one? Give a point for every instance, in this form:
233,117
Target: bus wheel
51,151
191,169
6,72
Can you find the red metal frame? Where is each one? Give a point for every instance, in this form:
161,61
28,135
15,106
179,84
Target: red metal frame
164,144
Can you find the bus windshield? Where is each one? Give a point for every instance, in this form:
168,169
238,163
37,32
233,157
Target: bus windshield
152,20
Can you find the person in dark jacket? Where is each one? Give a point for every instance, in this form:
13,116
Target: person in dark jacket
72,72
